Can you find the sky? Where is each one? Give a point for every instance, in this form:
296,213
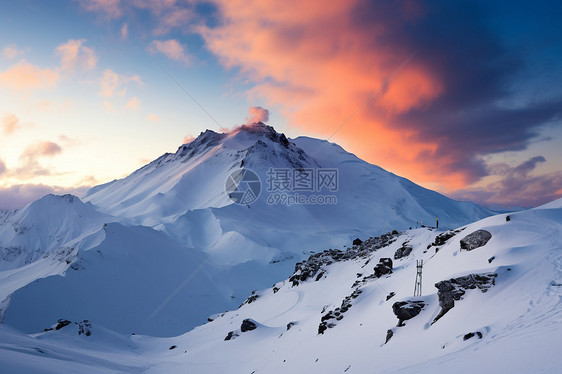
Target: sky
460,97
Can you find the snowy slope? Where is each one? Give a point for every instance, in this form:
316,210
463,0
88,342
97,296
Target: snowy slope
182,196
512,323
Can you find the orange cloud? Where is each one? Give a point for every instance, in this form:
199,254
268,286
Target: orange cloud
314,62
133,104
111,8
188,139
257,114
11,51
170,48
25,76
10,123
74,55
113,84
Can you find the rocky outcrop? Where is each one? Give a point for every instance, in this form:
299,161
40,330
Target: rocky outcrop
454,289
329,319
248,325
403,251
406,310
313,265
475,240
383,267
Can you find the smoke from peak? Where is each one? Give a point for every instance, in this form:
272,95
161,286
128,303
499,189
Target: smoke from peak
257,114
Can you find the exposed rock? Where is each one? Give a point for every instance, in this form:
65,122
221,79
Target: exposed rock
231,335
389,334
403,251
357,241
253,297
475,240
62,323
472,334
454,289
173,347
248,325
290,324
316,262
390,296
507,218
336,314
491,259
386,261
406,310
382,269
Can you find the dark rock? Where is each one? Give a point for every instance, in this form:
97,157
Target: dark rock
394,232
290,324
172,347
319,276
455,288
406,310
275,289
390,296
389,335
475,240
382,269
357,241
248,325
491,259
386,261
507,218
62,323
253,297
472,334
403,251
231,335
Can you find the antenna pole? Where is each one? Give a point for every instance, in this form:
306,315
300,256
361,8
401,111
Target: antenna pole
418,286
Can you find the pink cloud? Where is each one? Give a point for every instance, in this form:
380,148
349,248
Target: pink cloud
17,196
153,118
10,123
124,31
188,139
257,114
74,54
110,8
113,84
170,48
133,104
25,76
11,52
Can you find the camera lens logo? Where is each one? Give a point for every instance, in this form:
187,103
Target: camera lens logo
243,186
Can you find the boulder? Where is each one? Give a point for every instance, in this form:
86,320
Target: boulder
475,240
403,251
455,288
406,310
382,269
357,241
248,325
386,261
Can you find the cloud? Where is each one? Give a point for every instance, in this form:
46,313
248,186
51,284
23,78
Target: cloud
434,119
257,114
124,31
74,55
171,48
10,124
113,84
110,8
29,160
516,186
25,76
17,196
153,118
2,167
133,104
11,52
188,139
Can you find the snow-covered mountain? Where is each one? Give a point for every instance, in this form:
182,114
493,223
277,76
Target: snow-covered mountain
490,301
210,250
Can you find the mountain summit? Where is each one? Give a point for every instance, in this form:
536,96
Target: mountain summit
239,209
